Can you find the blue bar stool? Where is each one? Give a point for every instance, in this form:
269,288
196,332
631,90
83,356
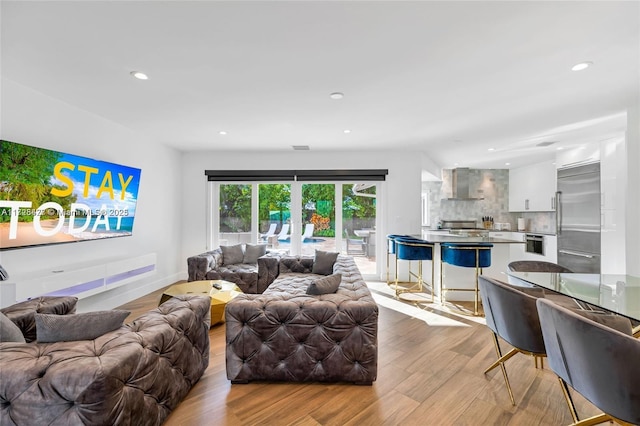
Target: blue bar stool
476,256
410,248
391,250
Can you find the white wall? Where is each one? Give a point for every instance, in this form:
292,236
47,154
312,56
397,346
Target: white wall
401,197
31,118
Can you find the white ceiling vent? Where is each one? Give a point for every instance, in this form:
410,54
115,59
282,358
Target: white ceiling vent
300,147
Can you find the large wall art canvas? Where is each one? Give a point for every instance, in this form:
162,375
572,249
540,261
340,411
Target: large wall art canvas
50,197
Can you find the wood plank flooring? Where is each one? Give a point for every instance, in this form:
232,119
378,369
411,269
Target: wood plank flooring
429,373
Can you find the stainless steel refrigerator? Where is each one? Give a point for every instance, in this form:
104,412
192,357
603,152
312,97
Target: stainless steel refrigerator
578,218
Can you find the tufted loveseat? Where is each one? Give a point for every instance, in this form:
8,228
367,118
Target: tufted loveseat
251,278
135,375
286,335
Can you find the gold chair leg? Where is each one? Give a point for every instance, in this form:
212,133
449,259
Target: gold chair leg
595,420
636,332
500,362
567,397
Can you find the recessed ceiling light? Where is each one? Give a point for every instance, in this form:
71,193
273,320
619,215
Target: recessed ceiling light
491,149
455,164
222,132
559,148
139,75
581,66
347,131
507,164
336,95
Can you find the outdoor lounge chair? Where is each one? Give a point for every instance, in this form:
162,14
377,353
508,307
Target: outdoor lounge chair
284,233
270,233
308,231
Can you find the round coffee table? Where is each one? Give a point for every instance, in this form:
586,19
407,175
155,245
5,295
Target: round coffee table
219,297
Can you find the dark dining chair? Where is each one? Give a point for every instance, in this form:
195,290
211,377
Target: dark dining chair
536,266
599,362
543,266
512,315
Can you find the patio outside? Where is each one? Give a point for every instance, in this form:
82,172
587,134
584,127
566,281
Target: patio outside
366,262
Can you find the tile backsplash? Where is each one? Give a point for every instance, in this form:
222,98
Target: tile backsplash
493,186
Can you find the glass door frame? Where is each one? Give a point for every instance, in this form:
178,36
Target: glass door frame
213,214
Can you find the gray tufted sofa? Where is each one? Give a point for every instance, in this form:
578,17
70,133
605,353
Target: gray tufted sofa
135,375
251,278
286,335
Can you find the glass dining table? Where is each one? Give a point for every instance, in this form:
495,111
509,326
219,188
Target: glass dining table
619,294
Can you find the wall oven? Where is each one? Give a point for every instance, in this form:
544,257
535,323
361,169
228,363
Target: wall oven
534,243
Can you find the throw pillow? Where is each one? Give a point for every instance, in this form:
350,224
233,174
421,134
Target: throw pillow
232,255
85,326
323,263
253,251
9,332
326,285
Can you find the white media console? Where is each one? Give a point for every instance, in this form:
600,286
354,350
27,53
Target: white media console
79,280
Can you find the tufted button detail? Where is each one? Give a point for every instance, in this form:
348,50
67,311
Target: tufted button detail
296,332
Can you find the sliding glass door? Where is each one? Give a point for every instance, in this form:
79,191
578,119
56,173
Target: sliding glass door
274,208
318,217
299,218
234,223
359,224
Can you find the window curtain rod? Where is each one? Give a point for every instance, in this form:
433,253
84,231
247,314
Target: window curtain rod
297,175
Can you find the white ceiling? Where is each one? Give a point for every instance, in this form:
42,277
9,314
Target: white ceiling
450,79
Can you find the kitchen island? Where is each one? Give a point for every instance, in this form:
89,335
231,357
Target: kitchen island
460,277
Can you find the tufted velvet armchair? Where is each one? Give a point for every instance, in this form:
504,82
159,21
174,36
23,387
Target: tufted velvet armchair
286,335
135,375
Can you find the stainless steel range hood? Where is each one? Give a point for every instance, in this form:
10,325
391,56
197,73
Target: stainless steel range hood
460,189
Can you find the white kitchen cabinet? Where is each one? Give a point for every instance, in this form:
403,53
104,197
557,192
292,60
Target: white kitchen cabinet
533,188
551,248
516,251
519,252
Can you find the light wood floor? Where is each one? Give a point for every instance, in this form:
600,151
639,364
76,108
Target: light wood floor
428,374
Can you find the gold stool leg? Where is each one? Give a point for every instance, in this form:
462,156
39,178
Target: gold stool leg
387,262
433,285
442,300
396,280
